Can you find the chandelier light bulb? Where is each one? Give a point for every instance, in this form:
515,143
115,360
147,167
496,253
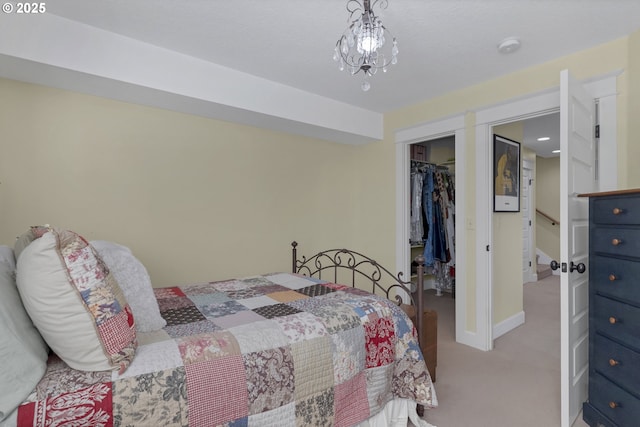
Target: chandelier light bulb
362,46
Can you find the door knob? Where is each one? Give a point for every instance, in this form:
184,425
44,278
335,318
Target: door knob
580,267
554,265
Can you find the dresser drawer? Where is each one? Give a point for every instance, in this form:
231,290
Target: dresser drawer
616,320
618,405
616,241
617,211
617,278
616,362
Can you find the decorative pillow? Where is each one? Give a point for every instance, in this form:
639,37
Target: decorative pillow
134,282
76,303
23,352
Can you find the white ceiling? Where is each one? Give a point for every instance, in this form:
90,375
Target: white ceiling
547,126
444,44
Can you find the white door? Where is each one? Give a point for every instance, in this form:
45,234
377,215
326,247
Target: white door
577,176
528,265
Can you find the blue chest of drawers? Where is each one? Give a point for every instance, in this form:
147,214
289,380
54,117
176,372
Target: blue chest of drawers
614,310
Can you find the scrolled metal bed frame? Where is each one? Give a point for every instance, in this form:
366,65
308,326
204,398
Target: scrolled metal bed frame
359,265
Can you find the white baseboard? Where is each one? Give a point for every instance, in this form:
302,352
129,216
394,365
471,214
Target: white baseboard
545,259
471,339
508,324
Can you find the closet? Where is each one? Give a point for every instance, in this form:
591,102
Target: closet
432,211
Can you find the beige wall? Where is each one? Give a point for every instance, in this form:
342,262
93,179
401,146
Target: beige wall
199,199
548,201
196,199
507,247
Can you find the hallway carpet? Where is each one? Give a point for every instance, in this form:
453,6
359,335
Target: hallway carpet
517,384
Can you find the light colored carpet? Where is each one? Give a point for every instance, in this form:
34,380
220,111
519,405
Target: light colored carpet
515,385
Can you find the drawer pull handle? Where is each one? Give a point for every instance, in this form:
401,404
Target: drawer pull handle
613,405
613,362
612,277
613,320
616,242
617,211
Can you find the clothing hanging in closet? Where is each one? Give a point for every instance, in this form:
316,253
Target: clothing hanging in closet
432,220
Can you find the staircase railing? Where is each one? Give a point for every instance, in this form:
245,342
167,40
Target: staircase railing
548,217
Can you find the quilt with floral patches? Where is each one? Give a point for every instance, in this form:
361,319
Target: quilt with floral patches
272,350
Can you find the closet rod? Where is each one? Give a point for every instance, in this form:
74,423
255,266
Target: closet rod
420,163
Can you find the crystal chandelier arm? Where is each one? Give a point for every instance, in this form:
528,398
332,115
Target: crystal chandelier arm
383,4
364,44
353,7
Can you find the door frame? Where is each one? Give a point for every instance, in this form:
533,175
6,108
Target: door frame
447,126
477,332
533,273
604,89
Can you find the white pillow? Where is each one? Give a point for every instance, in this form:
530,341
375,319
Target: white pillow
134,282
76,303
23,240
23,352
6,256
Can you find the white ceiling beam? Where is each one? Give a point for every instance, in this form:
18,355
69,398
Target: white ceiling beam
66,54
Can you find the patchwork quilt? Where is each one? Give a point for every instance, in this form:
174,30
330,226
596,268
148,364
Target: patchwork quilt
273,350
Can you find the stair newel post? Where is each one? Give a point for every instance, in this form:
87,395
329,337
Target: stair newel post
294,252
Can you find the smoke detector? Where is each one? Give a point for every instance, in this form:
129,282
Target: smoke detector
508,45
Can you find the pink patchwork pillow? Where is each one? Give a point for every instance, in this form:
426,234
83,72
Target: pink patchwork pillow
75,302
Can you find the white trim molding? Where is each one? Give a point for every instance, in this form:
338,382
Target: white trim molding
453,125
604,90
507,325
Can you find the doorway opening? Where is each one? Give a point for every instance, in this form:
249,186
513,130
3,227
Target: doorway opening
539,138
510,230
432,220
451,127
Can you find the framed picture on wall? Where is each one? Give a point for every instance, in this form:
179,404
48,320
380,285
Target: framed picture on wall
506,174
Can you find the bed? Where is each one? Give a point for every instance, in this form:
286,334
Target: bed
279,349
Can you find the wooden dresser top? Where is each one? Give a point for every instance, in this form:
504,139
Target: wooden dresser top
611,193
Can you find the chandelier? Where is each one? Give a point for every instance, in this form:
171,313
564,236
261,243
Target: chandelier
363,47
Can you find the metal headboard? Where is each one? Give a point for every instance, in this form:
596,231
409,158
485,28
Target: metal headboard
361,266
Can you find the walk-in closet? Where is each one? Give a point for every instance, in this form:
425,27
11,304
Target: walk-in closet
432,212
